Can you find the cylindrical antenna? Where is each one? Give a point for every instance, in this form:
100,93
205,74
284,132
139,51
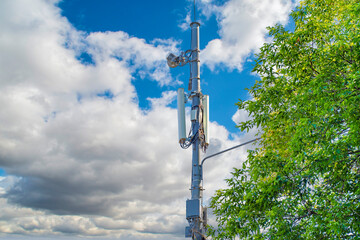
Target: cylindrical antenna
205,103
181,115
194,12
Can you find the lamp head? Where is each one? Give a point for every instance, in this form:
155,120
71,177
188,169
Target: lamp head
172,60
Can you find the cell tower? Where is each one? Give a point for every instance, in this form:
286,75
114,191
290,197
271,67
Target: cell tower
198,136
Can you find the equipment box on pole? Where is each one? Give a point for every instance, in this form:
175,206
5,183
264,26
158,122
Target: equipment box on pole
192,208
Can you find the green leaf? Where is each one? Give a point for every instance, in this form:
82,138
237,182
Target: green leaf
303,182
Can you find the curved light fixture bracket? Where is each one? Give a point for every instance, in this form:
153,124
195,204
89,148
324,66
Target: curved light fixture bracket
174,61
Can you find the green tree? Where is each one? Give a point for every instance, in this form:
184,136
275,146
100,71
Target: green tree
303,182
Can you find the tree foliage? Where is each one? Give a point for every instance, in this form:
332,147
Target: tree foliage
303,182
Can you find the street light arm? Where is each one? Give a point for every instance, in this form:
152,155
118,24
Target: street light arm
229,149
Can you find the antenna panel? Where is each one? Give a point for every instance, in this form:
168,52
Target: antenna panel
206,118
181,115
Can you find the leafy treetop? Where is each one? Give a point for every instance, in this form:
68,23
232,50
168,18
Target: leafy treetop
303,182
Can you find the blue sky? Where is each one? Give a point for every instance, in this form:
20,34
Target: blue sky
88,131
149,20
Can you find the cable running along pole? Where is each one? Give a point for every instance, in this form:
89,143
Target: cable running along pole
193,206
198,137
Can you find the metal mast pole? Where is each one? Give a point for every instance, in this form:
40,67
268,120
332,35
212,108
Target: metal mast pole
199,128
196,178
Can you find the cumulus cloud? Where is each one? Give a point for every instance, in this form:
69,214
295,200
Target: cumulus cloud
185,24
242,29
82,157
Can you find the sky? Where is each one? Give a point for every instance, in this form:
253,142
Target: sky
88,120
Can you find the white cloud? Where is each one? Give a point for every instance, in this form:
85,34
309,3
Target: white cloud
166,98
240,116
185,25
134,51
79,163
242,29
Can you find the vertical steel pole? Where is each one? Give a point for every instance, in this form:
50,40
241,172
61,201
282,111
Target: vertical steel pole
196,178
